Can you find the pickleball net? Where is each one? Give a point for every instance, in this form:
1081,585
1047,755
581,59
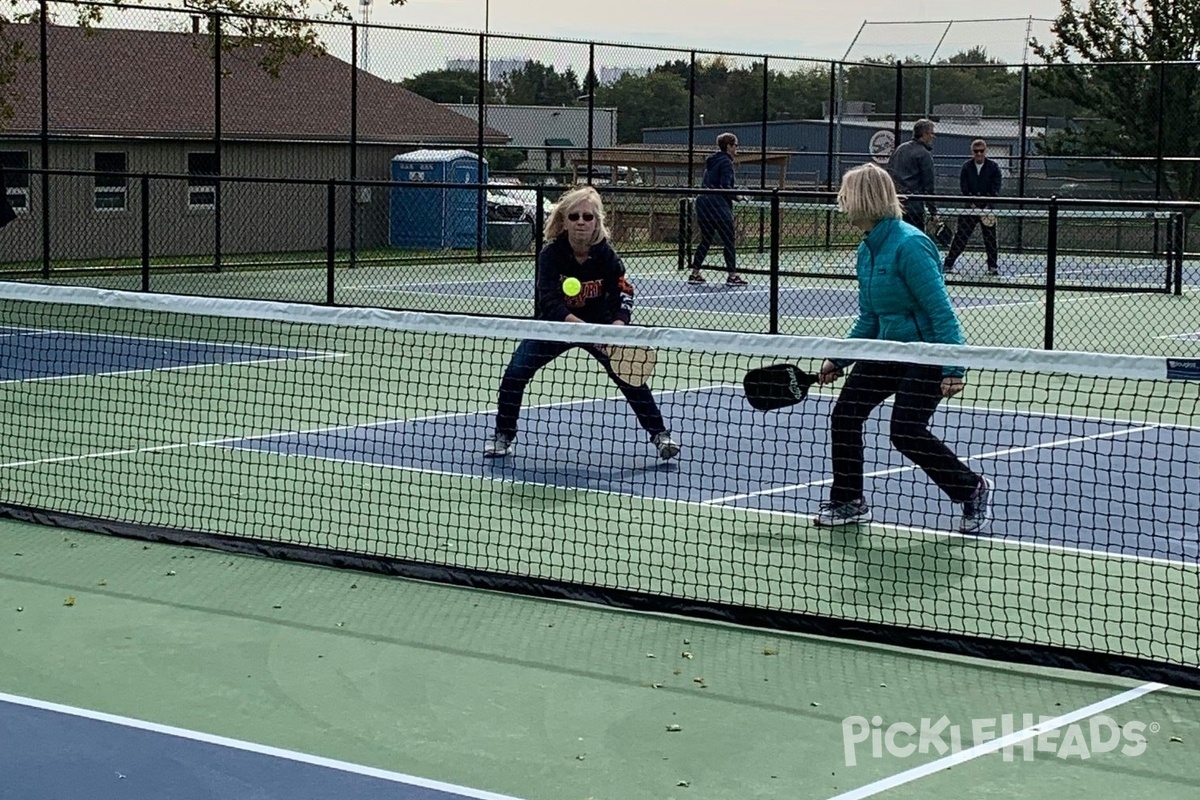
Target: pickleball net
354,437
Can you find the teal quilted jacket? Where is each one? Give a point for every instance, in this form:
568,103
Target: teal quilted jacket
901,293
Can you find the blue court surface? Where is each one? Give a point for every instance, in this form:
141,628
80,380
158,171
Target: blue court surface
1063,482
34,354
52,752
675,294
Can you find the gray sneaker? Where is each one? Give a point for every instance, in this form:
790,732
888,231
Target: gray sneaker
668,448
978,509
833,515
498,446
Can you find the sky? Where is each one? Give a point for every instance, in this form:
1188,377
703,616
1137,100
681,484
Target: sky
802,28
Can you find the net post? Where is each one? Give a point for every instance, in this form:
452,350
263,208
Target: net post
145,224
330,239
762,164
43,63
774,321
1051,269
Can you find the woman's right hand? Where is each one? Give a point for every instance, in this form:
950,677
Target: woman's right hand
829,373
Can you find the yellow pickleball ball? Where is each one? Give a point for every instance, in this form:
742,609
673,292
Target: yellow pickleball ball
572,287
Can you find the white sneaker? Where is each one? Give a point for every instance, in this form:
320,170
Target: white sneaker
832,515
668,448
498,446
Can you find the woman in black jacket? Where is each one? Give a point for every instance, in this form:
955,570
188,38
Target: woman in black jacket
577,247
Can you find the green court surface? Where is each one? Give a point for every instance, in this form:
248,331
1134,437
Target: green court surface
536,699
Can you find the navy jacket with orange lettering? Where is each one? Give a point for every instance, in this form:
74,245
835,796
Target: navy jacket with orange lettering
607,294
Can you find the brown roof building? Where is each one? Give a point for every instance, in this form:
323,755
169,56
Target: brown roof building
137,101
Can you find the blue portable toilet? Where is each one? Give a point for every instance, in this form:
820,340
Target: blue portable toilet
433,217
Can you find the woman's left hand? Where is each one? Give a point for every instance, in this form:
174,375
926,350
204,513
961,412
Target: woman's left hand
952,386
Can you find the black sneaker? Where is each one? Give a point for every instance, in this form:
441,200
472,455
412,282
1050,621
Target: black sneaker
696,279
978,509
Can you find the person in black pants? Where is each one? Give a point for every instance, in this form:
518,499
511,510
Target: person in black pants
979,177
714,212
577,248
912,169
902,297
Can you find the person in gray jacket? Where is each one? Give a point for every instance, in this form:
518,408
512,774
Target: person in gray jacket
911,168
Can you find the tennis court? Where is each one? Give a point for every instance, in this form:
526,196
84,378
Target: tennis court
335,430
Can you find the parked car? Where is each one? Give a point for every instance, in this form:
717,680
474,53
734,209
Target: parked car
506,195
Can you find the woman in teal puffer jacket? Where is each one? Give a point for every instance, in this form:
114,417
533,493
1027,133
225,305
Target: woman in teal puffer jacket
901,297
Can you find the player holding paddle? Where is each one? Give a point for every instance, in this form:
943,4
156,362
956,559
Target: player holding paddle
580,278
901,297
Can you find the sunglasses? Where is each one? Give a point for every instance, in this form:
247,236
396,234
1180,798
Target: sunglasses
575,215
979,151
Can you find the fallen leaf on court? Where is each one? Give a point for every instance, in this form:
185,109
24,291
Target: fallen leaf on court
684,784
650,655
20,609
686,654
770,651
676,671
170,572
652,686
815,705
70,601
674,728
1177,739
102,583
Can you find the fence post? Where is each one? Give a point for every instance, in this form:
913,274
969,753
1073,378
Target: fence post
45,66
829,142
762,166
591,121
691,117
899,102
1051,271
353,144
330,239
774,320
481,192
145,185
218,66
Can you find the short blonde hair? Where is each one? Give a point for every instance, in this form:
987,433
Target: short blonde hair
868,195
557,221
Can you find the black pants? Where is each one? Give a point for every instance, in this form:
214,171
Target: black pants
918,390
531,355
966,225
716,222
914,214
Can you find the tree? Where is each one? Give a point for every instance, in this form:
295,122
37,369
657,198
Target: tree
450,86
536,84
1102,61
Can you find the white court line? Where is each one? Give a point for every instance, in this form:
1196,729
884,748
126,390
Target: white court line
251,747
698,504
206,365
912,467
167,340
987,748
227,440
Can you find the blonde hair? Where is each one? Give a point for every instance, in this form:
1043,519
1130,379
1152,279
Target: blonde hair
868,195
557,222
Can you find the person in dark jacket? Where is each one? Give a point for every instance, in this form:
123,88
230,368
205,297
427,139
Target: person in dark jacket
901,297
714,212
979,177
911,167
577,247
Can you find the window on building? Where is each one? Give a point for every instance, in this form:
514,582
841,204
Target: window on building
17,183
109,191
202,191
